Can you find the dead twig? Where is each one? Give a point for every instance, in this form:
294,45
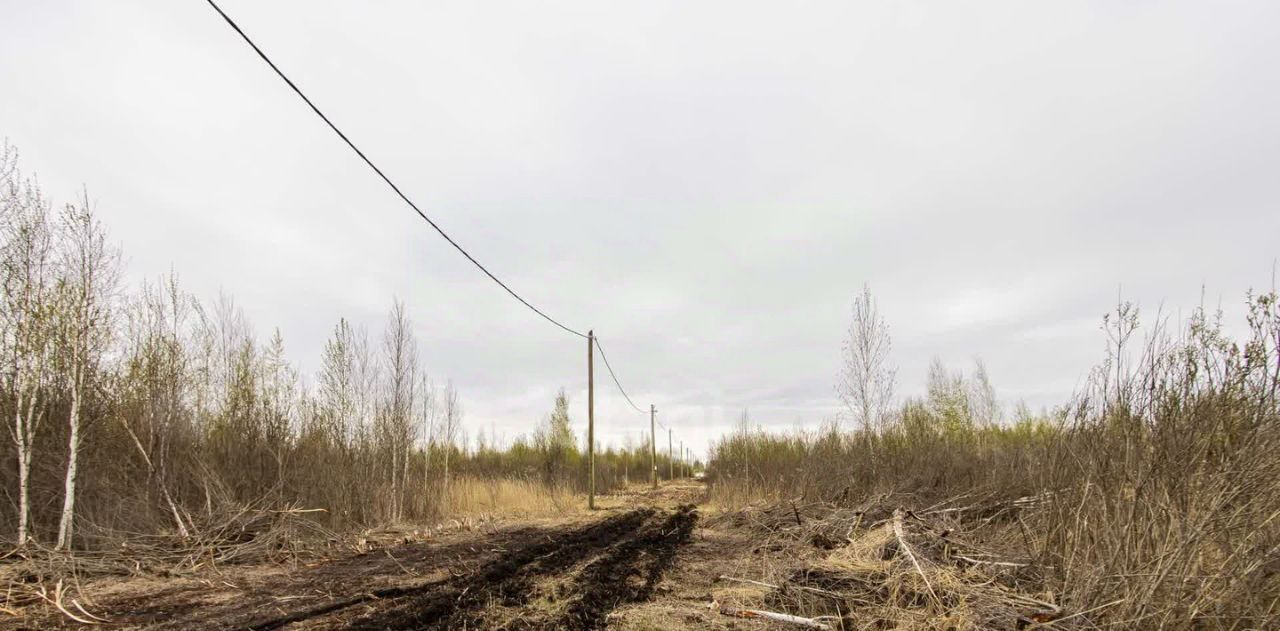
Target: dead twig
58,591
811,623
996,563
906,549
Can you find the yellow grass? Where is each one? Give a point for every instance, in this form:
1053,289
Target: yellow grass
474,497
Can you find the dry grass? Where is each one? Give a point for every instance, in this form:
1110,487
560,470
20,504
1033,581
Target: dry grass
478,497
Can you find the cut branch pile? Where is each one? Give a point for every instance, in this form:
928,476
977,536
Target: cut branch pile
893,568
35,576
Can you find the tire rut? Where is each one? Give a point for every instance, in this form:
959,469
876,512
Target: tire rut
628,573
508,581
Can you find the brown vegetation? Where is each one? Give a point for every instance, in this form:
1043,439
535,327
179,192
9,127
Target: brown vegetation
1153,500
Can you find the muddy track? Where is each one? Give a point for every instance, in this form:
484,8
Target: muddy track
569,579
507,582
522,579
627,573
343,583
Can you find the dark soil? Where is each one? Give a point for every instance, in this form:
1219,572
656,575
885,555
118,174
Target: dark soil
627,573
569,577
508,581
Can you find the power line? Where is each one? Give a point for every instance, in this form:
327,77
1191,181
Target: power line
383,175
615,377
408,201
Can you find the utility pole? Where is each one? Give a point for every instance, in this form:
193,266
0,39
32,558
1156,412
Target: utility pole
591,419
682,458
671,460
653,447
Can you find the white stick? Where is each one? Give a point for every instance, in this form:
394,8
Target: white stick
906,549
777,617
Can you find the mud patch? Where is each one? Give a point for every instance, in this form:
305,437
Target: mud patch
506,582
627,573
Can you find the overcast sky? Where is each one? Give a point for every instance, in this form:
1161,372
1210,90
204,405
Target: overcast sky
705,184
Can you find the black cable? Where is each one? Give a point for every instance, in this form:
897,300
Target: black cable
380,173
615,377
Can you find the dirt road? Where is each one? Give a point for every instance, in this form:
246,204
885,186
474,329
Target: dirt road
648,560
575,573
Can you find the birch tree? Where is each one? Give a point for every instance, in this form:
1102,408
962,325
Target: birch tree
336,416
279,382
867,379
90,273
26,268
427,417
400,365
337,391
451,422
982,396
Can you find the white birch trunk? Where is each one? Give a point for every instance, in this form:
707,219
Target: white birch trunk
69,488
24,422
24,469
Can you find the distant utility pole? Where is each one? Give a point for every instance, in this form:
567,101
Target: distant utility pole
682,458
653,447
591,418
671,457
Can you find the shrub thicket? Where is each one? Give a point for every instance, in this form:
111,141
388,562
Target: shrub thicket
1156,490
161,413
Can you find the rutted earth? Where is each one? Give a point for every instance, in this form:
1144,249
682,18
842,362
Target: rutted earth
648,560
577,573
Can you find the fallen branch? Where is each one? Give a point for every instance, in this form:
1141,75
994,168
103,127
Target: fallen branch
906,549
776,617
83,611
56,601
999,563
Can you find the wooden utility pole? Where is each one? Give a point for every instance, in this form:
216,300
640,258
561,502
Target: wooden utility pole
671,457
653,447
591,419
682,458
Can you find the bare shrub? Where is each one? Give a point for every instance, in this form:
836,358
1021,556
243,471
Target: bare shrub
1156,491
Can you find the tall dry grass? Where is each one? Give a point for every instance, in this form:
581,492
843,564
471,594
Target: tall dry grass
509,497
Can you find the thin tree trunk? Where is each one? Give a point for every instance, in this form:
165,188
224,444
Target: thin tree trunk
404,476
24,467
426,474
65,525
444,484
395,484
159,474
24,424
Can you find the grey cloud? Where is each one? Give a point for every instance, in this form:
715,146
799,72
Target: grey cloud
705,185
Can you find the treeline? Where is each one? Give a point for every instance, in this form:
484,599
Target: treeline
144,410
1152,498
950,441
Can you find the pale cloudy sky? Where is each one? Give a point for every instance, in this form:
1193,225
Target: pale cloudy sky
706,184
